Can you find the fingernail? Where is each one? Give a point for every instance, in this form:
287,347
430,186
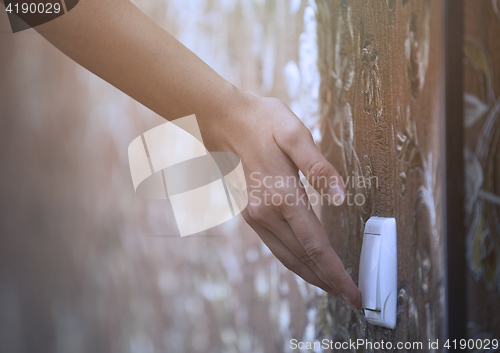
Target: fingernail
336,195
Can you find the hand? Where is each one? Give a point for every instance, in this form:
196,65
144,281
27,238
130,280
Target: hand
138,57
273,145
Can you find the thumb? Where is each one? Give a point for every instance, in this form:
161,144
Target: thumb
297,142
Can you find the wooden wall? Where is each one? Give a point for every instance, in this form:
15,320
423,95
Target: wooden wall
382,87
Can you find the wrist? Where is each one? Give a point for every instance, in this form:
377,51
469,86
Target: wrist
223,118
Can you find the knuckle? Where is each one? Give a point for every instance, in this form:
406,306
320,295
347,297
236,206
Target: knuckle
318,168
256,214
280,205
294,131
306,260
322,168
319,173
315,251
247,217
300,131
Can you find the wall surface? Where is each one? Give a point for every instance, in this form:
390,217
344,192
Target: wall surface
482,163
381,67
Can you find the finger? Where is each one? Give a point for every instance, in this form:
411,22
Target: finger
282,230
314,240
299,145
288,259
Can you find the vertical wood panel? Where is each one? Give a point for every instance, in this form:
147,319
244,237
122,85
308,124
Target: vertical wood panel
382,86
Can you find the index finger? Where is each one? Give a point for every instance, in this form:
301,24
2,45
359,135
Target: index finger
312,236
299,145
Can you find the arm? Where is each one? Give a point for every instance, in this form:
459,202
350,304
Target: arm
117,42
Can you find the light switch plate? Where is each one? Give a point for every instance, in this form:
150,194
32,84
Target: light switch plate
378,271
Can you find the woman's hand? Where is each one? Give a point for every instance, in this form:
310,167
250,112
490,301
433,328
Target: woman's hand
117,42
273,145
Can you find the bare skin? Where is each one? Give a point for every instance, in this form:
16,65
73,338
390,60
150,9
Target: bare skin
117,42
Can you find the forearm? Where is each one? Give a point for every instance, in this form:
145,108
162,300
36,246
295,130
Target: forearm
117,42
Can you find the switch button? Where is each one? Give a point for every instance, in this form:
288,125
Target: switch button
378,271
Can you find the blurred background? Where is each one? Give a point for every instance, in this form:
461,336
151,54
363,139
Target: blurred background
85,265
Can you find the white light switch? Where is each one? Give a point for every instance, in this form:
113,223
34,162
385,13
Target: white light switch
378,272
